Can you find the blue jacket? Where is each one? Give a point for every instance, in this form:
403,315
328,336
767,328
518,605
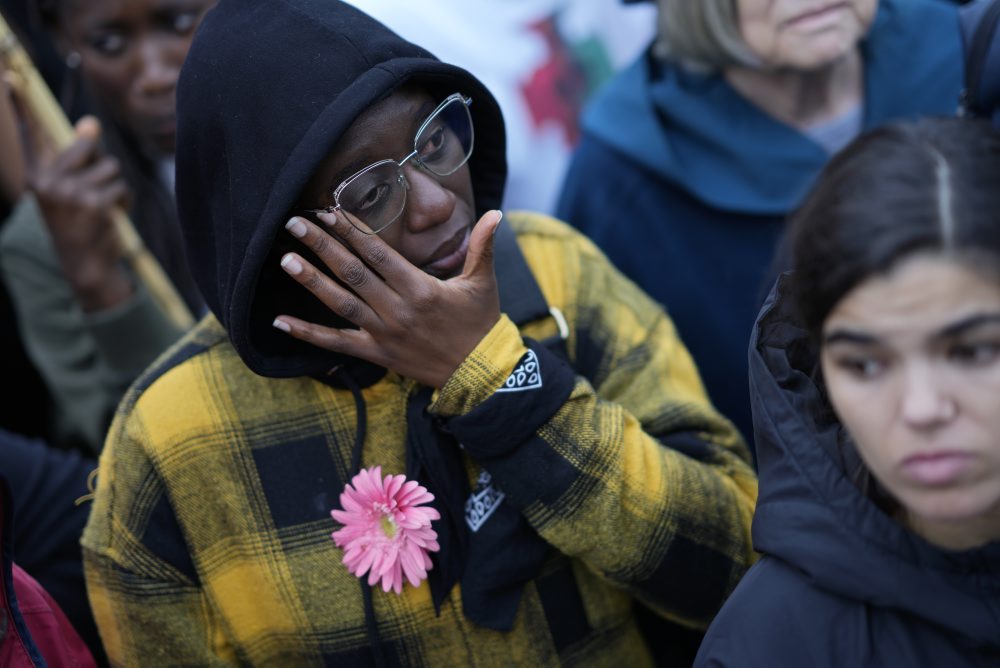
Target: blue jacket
839,583
685,184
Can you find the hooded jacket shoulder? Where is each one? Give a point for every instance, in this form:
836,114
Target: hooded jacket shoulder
686,185
696,131
856,584
265,93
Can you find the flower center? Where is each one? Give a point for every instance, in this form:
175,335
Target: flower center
388,526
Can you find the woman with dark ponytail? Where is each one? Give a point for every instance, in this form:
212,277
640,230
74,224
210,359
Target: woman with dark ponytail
89,325
875,379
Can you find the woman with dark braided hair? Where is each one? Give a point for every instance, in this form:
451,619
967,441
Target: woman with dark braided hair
89,325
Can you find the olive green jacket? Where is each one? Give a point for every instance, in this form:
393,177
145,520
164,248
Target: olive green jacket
86,359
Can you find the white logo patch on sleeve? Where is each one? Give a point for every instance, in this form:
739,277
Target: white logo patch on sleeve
483,502
526,376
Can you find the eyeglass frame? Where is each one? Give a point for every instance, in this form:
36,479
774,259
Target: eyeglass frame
399,165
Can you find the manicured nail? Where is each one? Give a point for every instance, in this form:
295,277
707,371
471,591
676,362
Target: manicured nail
281,324
329,218
296,227
291,264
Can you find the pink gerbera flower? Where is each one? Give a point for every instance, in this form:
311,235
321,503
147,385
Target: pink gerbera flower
386,532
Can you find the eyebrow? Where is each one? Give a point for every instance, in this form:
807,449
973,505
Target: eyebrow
848,336
971,322
950,331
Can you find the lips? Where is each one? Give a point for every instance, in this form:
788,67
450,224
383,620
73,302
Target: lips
937,469
161,126
158,131
166,126
817,16
449,257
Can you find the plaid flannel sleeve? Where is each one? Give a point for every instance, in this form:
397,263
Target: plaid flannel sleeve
149,606
616,458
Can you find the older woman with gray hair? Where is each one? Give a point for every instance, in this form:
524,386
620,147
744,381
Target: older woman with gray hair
692,157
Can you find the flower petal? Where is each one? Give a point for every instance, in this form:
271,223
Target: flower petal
413,566
406,491
396,578
350,502
365,563
342,516
393,484
367,484
367,503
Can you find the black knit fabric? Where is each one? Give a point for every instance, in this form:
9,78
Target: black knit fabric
266,91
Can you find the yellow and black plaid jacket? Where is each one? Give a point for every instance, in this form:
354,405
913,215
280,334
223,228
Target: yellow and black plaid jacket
209,539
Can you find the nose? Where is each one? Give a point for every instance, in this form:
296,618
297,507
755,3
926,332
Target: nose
428,202
926,401
158,69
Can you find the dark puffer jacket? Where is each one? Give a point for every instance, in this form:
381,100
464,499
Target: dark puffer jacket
840,583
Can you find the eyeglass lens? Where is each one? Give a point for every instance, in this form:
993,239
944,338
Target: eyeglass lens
443,143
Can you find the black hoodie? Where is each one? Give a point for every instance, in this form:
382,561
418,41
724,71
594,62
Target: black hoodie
840,583
593,476
266,91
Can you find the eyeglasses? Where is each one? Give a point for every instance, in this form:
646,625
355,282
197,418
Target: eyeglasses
376,195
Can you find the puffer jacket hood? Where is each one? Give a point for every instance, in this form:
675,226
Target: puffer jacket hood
811,516
266,91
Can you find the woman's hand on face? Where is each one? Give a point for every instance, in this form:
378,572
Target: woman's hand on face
77,190
417,325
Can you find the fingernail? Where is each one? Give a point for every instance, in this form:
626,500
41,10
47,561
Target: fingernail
328,217
291,264
281,324
496,226
296,227
88,126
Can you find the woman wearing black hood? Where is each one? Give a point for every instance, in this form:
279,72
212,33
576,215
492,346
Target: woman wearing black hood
875,374
512,460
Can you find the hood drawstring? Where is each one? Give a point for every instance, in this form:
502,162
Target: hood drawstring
359,440
347,379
